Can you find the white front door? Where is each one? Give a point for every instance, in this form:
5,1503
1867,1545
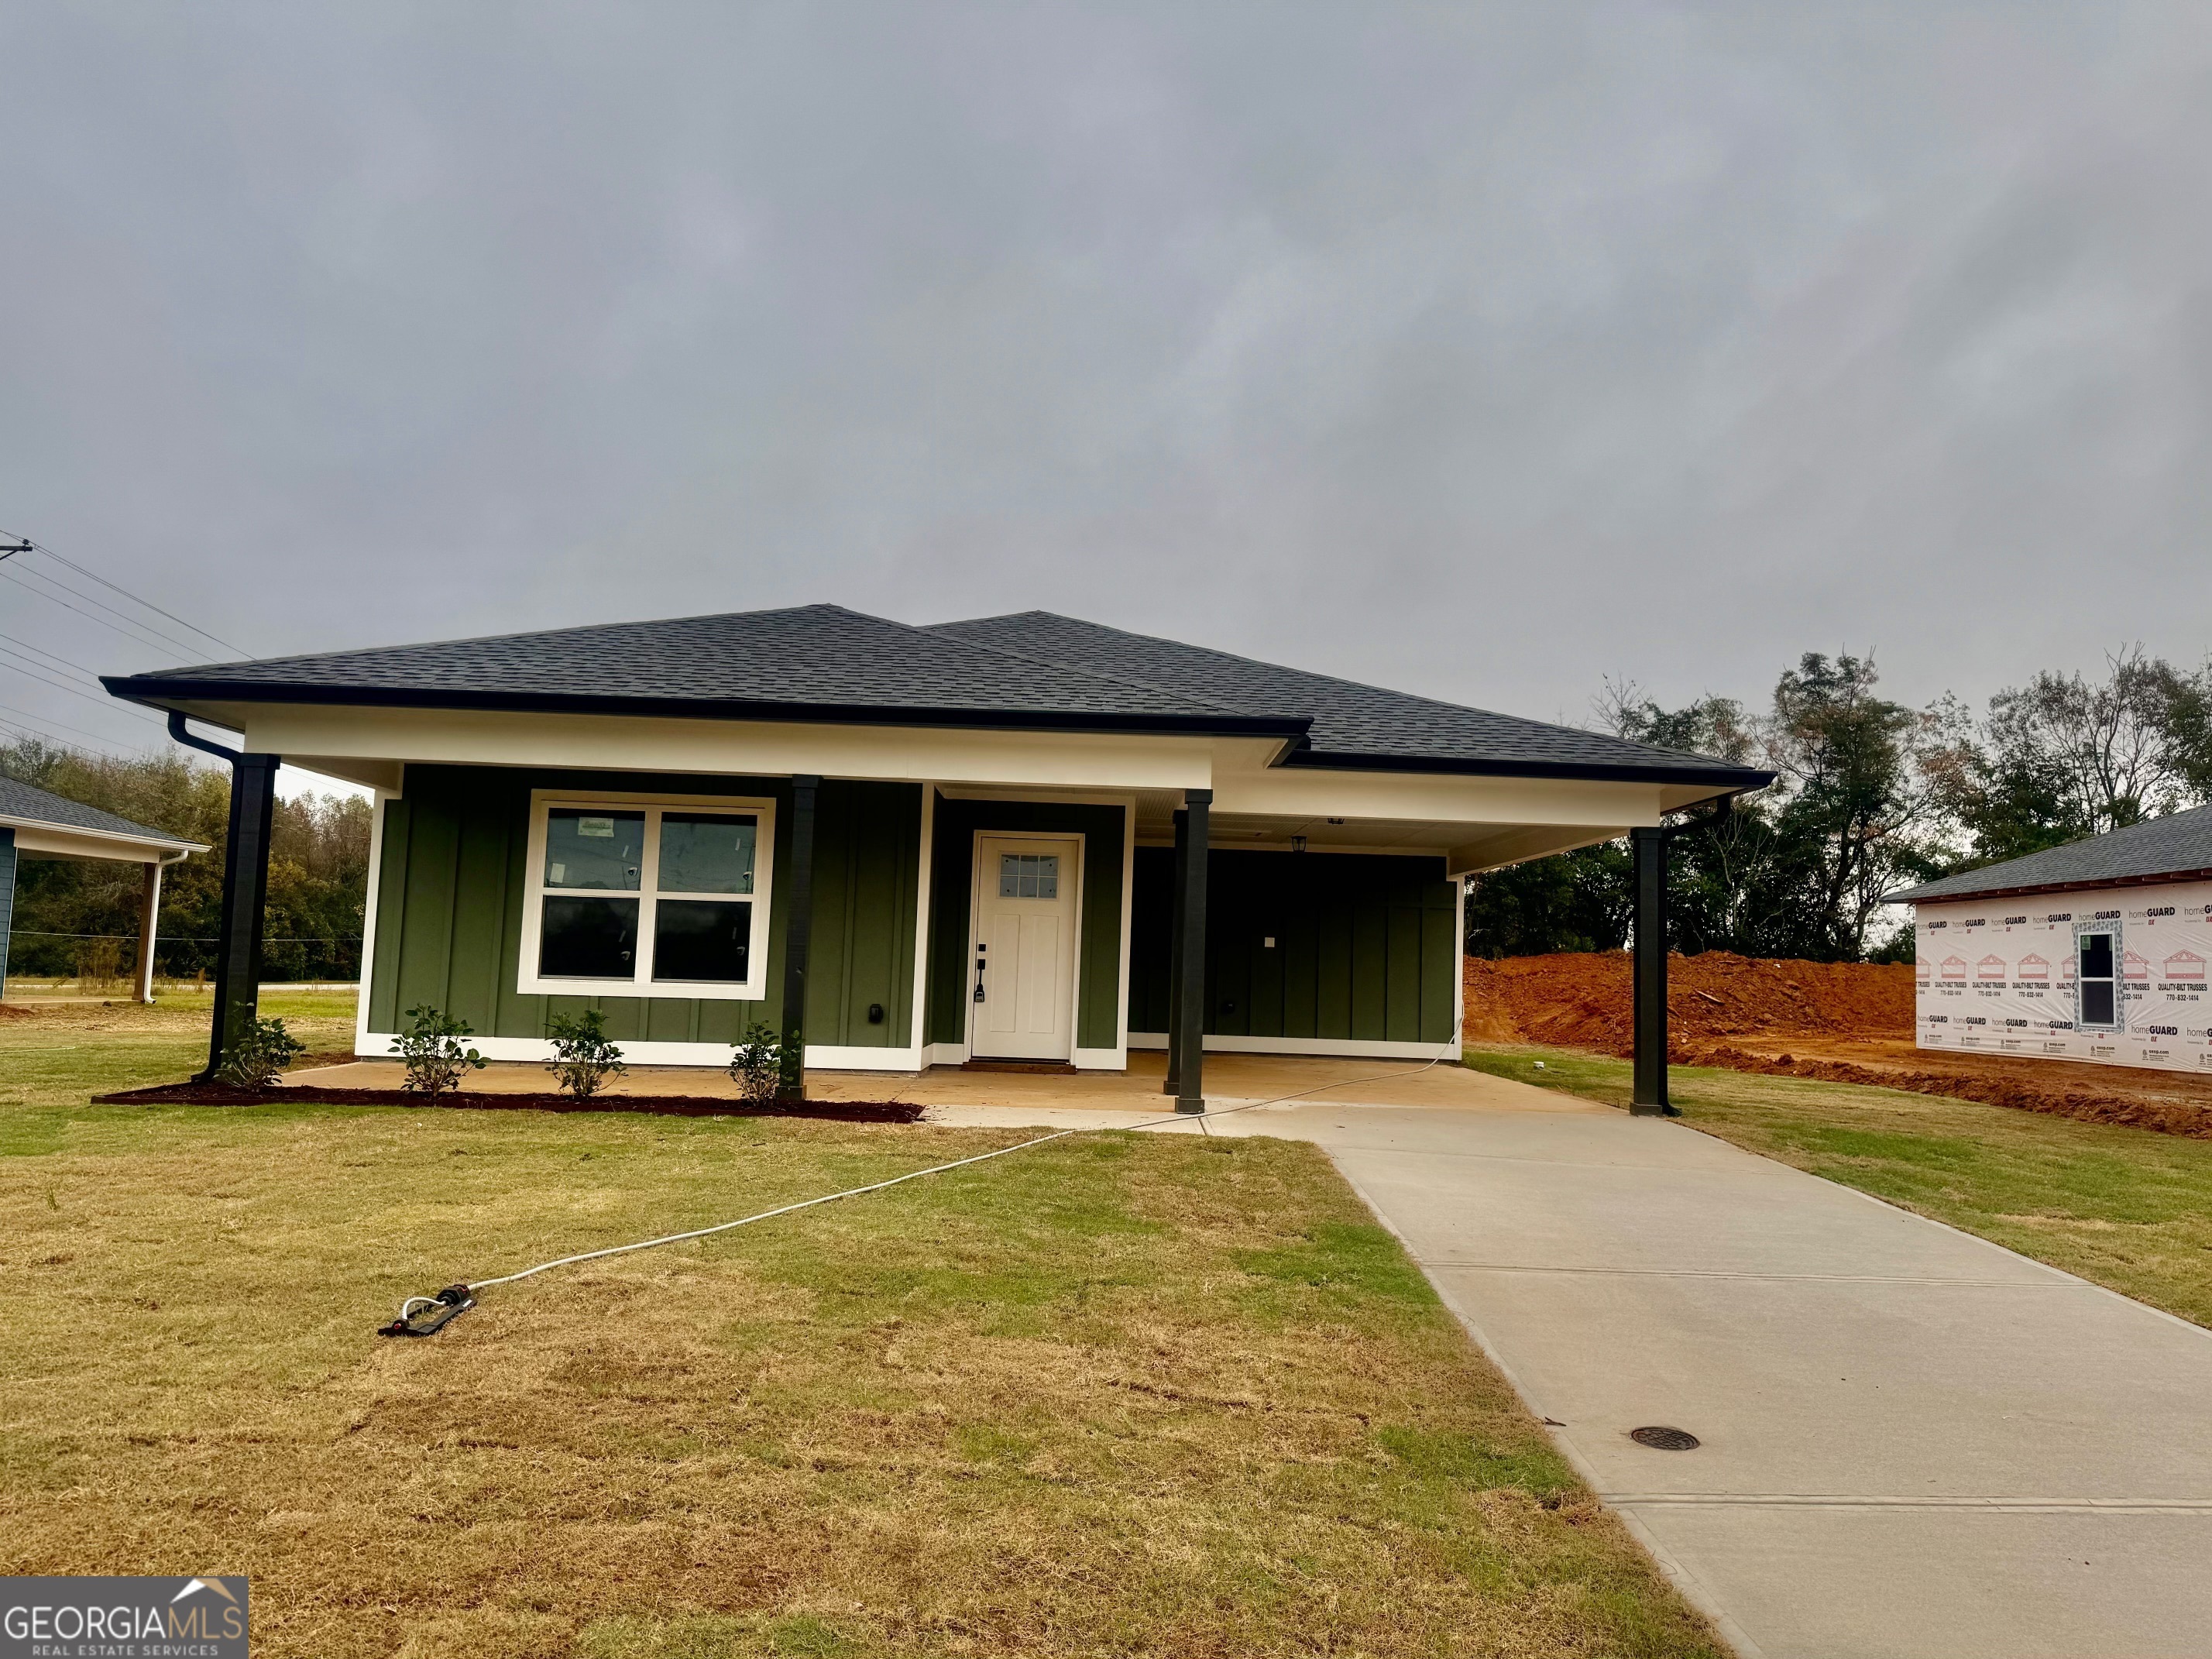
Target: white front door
1022,977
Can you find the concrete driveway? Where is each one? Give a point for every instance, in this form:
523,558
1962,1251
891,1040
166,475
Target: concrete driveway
1914,1441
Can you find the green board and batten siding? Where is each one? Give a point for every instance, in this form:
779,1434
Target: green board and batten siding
1366,946
453,872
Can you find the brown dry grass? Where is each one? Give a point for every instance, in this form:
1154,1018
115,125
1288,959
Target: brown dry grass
1116,1396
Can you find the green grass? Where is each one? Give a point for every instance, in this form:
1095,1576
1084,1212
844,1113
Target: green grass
1116,1396
2127,1208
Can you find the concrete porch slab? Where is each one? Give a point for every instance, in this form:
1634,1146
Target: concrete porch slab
1232,1079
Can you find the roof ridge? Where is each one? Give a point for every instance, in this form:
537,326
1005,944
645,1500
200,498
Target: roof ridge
1088,672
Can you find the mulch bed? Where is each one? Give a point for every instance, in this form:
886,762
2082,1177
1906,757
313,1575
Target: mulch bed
218,1094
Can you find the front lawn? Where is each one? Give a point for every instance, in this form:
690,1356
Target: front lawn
1120,1396
2127,1208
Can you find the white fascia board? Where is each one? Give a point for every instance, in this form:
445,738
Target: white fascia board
369,900
380,775
340,736
62,840
1439,797
1518,846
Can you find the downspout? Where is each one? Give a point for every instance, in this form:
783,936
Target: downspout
179,731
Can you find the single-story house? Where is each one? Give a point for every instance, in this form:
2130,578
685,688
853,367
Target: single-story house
1018,839
2094,950
37,823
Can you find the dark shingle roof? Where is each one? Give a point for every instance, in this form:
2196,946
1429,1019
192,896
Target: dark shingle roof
823,662
1353,725
812,661
22,801
2175,846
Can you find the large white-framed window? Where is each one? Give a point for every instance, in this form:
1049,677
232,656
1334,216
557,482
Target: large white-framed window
647,895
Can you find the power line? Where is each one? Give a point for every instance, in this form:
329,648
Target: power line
91,674
42,731
31,672
133,598
130,634
143,628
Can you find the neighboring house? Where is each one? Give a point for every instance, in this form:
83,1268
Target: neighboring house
36,824
2126,920
925,845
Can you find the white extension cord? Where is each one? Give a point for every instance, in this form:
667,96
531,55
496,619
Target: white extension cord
459,1297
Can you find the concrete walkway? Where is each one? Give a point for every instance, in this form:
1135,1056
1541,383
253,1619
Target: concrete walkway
1915,1443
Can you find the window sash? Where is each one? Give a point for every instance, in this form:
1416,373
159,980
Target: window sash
648,895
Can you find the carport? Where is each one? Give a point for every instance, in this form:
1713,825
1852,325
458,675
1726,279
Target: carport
36,824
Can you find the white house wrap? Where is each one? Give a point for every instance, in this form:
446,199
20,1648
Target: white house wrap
2095,951
2004,976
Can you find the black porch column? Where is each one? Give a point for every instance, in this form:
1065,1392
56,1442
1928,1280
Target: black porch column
7,896
1190,955
1174,1082
1650,1099
797,936
245,895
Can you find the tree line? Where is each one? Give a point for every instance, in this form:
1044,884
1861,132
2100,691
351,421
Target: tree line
1870,795
81,919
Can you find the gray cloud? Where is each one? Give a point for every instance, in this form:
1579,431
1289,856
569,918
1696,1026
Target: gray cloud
1480,351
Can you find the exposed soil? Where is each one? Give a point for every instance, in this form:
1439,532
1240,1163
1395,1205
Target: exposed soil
218,1094
1584,1001
1840,1022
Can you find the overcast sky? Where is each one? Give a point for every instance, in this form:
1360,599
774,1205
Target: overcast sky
1483,351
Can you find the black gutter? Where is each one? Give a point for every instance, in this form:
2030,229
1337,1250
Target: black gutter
1742,779
162,693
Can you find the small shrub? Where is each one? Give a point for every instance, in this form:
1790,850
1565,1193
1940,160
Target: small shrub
583,1058
431,1046
259,1055
757,1065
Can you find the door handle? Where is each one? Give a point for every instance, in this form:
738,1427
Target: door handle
979,974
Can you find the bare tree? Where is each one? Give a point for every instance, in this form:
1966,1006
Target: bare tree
2113,749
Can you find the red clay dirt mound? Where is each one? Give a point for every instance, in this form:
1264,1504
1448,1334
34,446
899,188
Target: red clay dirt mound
1583,1002
1841,1022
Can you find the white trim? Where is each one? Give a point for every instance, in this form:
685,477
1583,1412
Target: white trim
1459,959
1396,850
530,982
945,1054
46,839
1098,1060
975,920
918,1033
378,802
1022,794
852,1057
820,1057
1349,1048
